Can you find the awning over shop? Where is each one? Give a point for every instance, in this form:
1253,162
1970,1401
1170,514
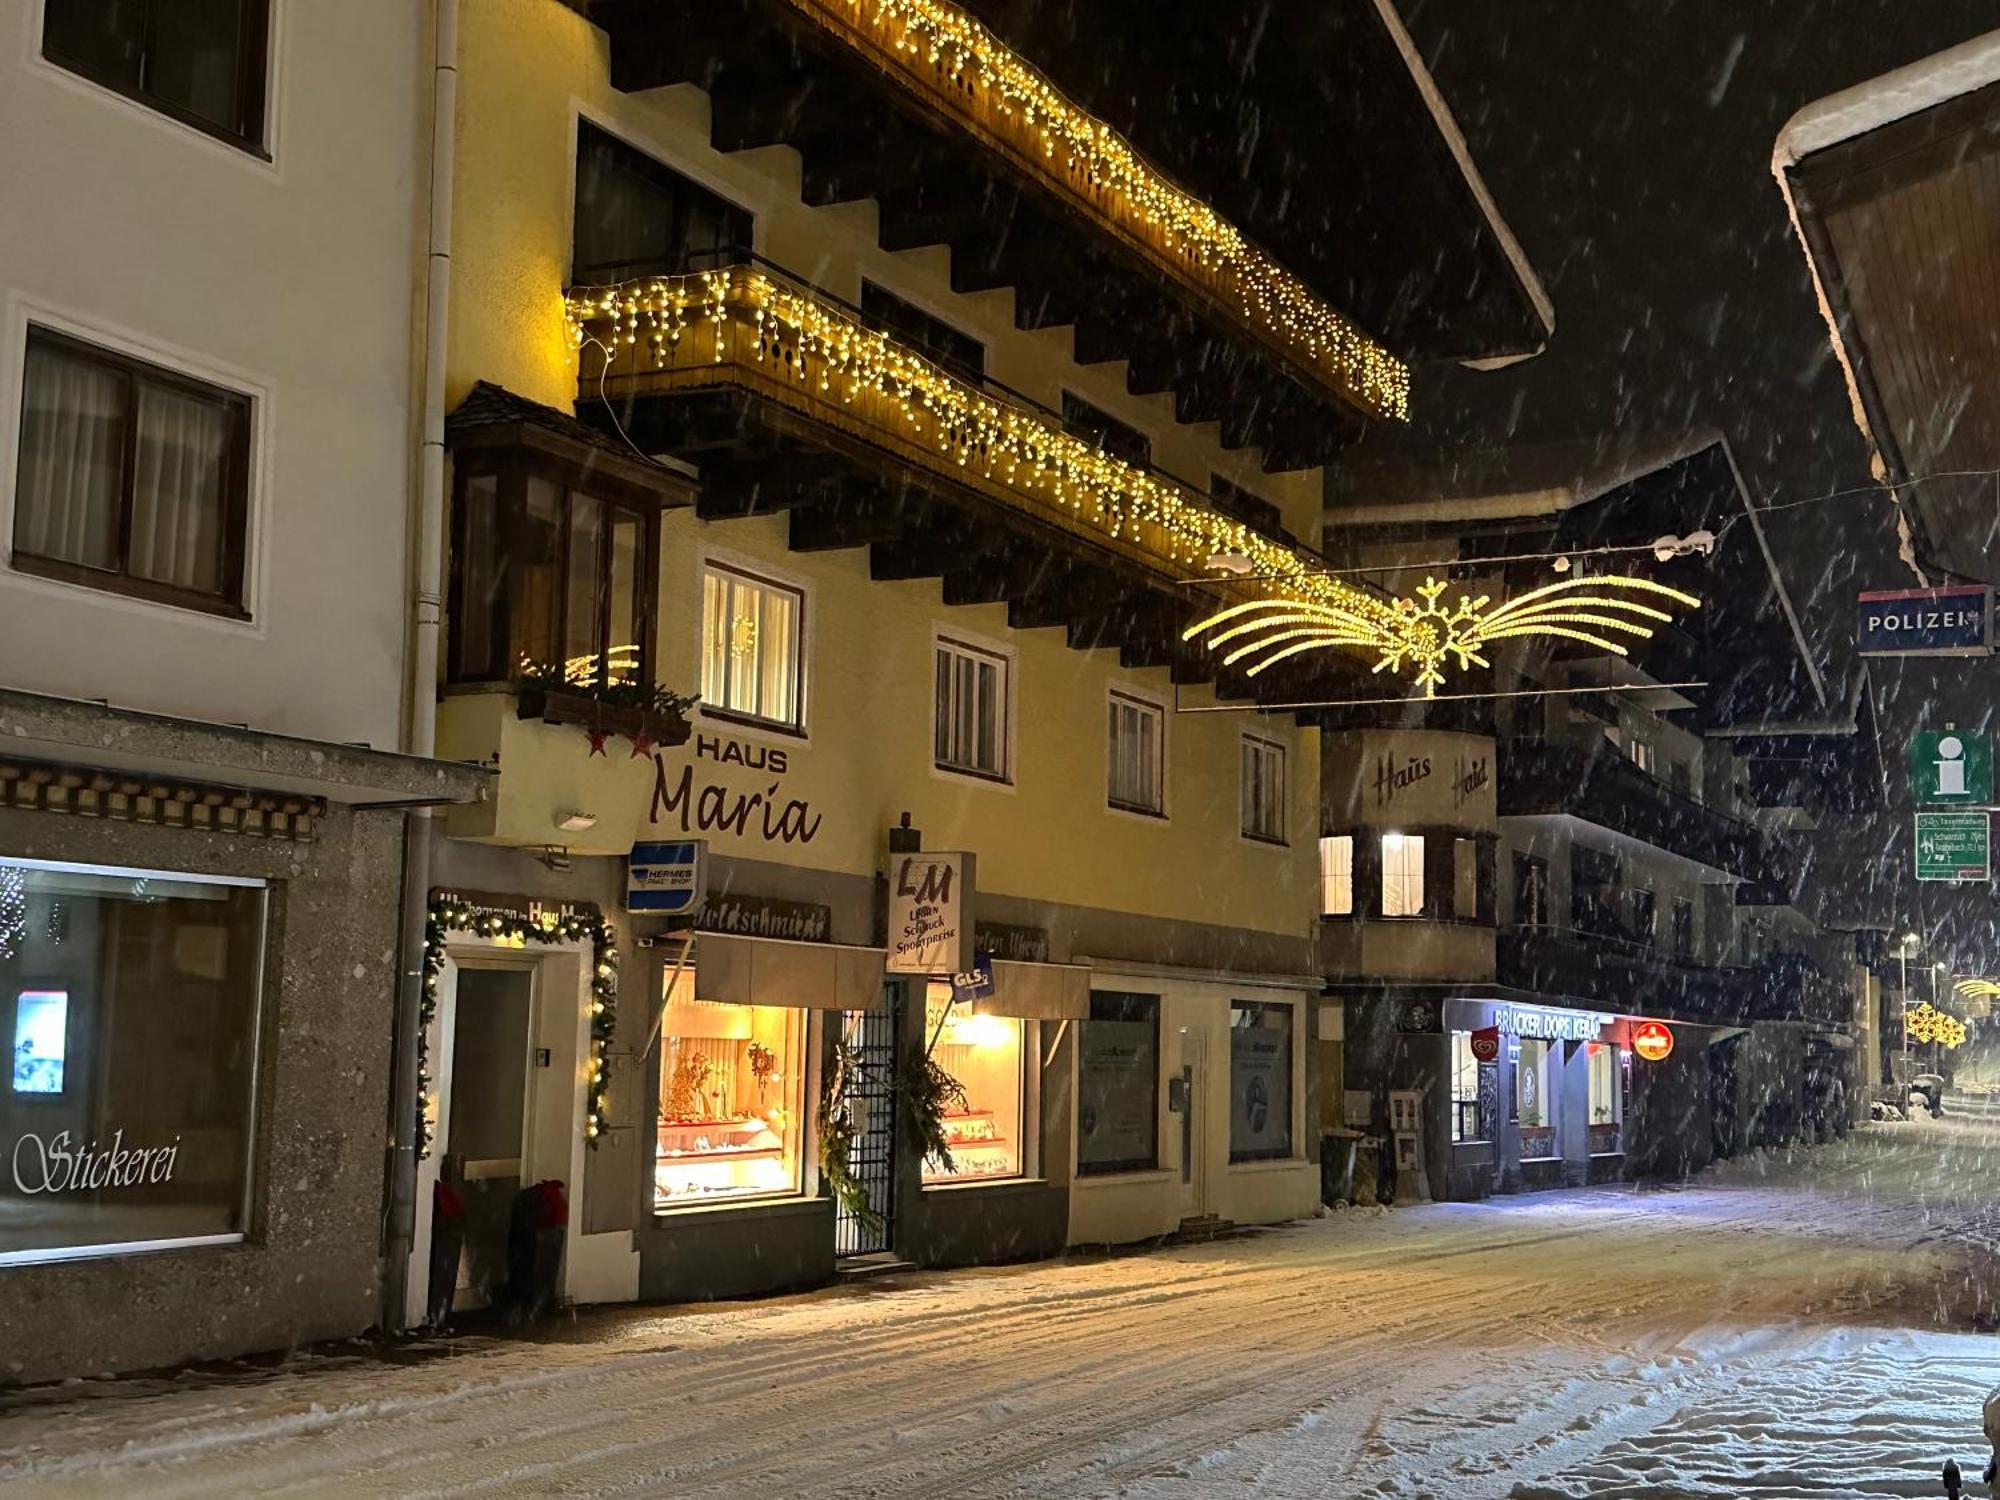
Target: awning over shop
80,738
767,971
1038,992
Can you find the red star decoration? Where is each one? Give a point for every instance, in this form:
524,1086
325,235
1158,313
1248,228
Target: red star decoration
642,744
597,739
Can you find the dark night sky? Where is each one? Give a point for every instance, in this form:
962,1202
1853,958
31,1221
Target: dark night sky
1628,143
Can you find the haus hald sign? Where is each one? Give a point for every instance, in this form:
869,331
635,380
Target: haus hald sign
1395,774
1954,621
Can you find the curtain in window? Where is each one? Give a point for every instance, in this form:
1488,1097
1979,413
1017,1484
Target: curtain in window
750,648
180,463
72,430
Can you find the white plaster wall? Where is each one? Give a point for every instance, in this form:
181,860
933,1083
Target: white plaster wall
291,279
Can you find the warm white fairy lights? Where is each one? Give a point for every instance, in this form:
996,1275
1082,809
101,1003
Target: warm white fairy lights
740,315
1429,634
957,64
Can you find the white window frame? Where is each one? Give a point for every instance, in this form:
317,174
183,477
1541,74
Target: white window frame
1263,748
1117,694
753,571
1336,875
259,389
264,160
963,644
1416,909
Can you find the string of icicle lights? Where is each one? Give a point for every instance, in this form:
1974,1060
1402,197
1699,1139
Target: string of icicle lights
739,314
959,63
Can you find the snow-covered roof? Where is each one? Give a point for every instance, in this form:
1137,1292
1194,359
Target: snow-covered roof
1454,139
1911,90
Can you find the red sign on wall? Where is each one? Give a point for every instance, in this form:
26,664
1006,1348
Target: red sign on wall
1486,1045
1653,1040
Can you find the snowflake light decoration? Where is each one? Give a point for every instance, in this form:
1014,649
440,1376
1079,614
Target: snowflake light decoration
1428,633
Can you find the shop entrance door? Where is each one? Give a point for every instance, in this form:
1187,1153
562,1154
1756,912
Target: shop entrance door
870,1039
1193,1123
492,1027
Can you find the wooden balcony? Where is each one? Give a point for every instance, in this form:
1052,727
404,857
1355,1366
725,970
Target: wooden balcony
789,403
965,144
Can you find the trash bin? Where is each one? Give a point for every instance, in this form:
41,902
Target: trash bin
1336,1168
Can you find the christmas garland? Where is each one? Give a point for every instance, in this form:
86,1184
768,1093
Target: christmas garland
449,914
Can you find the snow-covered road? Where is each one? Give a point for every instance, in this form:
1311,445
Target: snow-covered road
1782,1328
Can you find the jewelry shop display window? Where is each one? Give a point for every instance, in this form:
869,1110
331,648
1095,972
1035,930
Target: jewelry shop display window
732,1103
984,1054
131,1002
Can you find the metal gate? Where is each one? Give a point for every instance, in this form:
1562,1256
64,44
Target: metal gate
871,1037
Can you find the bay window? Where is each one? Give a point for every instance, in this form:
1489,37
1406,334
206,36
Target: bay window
1336,875
552,576
1402,874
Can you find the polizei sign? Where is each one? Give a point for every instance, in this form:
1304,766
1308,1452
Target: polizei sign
1954,621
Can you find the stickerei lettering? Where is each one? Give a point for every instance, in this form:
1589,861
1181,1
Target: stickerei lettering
61,1165
715,808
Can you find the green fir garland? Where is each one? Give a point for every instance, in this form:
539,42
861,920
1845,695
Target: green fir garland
449,914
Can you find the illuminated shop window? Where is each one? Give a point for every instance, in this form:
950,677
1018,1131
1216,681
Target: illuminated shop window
41,1041
732,1103
1402,874
984,1053
132,1001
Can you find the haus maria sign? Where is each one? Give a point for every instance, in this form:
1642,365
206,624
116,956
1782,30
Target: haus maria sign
1955,621
930,926
697,799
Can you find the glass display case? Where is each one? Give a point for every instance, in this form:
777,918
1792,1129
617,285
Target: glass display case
732,1099
984,1053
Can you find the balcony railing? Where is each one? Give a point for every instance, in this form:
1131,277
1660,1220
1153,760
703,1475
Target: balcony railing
1630,978
1620,978
754,329
954,67
1600,786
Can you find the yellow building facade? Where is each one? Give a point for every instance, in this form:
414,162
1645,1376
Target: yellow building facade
1194,916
